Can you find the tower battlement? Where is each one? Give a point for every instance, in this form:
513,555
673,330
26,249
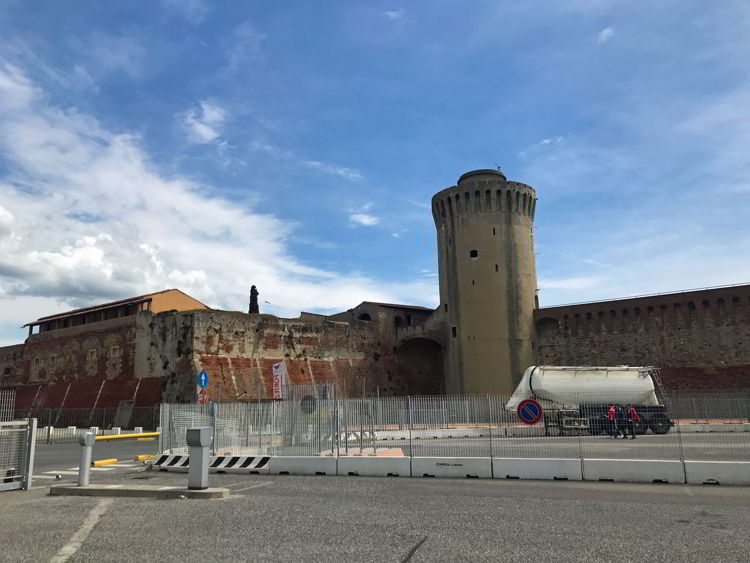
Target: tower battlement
479,192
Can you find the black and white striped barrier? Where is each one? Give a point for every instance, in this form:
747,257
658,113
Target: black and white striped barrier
217,464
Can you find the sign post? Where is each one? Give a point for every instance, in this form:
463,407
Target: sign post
529,411
201,382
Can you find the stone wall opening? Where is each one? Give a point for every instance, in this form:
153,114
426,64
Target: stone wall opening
422,360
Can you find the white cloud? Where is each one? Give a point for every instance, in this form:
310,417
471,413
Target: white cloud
203,125
605,35
394,14
244,46
364,219
87,217
115,53
193,11
351,174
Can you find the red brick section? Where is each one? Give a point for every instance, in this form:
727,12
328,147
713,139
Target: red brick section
700,339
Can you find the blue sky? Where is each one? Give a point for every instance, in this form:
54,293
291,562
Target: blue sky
296,145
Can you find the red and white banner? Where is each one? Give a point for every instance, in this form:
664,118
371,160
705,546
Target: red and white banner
280,380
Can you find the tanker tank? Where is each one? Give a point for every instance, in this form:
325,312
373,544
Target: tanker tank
576,397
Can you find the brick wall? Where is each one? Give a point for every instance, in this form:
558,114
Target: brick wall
238,351
700,339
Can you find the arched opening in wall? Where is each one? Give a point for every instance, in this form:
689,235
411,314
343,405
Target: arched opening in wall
477,201
508,204
488,200
442,211
524,204
398,322
450,208
518,201
364,317
420,362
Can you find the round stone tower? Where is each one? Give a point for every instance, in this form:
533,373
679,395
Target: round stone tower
487,280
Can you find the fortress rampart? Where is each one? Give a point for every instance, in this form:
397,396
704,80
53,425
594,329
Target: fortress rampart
699,338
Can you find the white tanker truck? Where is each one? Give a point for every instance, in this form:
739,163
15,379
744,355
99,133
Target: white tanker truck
577,397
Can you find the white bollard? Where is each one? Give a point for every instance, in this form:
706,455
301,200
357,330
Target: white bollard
87,441
138,430
116,430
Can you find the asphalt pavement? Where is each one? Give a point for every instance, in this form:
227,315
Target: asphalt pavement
61,457
291,518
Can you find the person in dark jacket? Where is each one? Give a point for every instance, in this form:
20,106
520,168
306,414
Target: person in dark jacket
620,418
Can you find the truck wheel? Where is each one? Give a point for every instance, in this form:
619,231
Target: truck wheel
641,427
660,424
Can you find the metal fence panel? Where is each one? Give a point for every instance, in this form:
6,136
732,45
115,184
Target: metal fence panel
314,423
17,443
7,404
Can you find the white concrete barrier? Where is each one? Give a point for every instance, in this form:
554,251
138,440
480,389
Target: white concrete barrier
535,468
372,466
718,472
634,470
303,465
246,465
456,467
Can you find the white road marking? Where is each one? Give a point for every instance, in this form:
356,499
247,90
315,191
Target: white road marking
167,488
113,486
125,465
253,487
102,468
43,477
63,472
234,484
71,548
72,469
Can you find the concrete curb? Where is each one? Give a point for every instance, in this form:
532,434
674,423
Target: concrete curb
102,462
141,491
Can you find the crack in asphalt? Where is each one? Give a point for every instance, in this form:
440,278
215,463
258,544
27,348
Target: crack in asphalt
414,550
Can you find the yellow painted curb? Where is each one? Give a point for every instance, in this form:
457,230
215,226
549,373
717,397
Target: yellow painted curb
144,457
126,436
101,462
145,439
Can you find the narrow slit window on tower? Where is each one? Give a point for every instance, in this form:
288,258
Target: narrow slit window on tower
493,231
453,331
472,282
496,268
474,254
446,307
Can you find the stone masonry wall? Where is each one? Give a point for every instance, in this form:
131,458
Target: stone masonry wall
238,350
700,339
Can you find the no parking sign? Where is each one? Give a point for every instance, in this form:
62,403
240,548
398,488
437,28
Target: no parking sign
529,411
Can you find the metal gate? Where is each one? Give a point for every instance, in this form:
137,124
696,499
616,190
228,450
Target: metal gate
17,443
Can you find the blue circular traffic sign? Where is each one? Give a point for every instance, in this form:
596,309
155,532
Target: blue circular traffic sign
529,411
202,379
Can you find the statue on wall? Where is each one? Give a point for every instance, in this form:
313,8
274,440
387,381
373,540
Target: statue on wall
253,300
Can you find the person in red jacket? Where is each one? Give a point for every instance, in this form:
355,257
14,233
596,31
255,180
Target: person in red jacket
632,416
612,417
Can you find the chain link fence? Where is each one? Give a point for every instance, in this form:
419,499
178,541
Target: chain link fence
679,427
